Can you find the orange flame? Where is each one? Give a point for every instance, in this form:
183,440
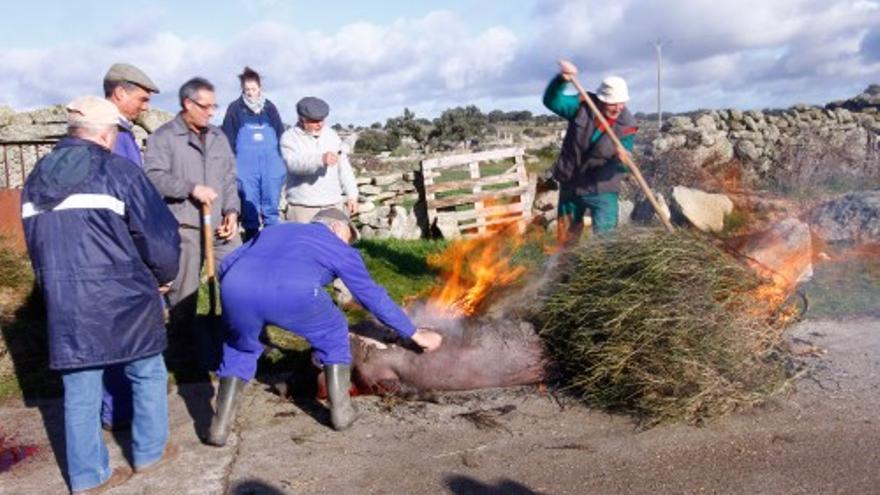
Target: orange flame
471,269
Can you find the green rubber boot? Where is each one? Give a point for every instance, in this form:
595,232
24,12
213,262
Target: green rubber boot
342,412
227,400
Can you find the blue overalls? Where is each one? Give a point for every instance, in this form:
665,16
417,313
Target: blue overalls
261,171
278,278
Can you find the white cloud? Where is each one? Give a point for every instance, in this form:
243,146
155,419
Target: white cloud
753,53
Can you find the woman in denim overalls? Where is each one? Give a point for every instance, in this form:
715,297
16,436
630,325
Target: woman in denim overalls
253,126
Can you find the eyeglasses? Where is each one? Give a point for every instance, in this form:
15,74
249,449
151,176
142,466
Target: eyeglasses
204,106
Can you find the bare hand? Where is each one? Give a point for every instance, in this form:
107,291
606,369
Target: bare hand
204,194
229,227
352,206
567,70
163,289
330,158
428,340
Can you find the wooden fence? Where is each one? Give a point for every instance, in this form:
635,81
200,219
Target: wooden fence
478,192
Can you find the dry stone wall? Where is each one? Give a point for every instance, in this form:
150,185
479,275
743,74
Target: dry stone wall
793,146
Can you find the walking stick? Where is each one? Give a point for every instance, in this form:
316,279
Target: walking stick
627,158
208,238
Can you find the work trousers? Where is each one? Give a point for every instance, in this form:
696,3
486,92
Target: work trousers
184,293
572,207
252,299
88,463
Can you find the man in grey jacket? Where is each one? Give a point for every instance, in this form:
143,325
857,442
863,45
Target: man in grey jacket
318,171
191,164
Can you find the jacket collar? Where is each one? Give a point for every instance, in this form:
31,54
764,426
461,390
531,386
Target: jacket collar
181,129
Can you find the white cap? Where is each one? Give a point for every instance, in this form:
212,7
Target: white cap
613,90
92,110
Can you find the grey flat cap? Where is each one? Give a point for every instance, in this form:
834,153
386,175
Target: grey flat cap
131,74
312,108
329,215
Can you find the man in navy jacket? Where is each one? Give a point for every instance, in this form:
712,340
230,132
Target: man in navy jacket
103,245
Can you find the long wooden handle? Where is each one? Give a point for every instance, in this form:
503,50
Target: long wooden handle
628,158
208,238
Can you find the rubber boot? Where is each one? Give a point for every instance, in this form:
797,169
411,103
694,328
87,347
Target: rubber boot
342,412
227,400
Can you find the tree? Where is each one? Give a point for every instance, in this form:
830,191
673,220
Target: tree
406,125
459,124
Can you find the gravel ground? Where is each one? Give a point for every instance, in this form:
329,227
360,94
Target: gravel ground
822,438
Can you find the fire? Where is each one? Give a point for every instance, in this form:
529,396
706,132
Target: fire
472,268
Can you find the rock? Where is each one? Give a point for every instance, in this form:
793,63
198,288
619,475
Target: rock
21,119
386,180
746,150
854,217
369,190
367,232
625,209
6,115
706,122
404,224
447,225
140,135
782,253
703,210
153,118
55,114
362,180
366,207
32,132
678,123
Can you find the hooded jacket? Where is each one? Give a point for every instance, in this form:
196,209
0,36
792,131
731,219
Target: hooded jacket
101,241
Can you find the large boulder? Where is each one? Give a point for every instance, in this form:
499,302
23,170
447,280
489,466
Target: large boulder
854,217
782,253
703,210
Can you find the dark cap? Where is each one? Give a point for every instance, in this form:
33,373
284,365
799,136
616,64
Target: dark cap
131,74
329,215
312,108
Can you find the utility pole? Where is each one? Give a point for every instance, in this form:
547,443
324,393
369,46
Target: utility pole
658,47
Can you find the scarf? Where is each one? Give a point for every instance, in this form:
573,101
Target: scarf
256,105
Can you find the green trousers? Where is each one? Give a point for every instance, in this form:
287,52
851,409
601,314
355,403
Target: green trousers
603,210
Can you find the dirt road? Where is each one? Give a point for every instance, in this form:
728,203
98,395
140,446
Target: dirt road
823,438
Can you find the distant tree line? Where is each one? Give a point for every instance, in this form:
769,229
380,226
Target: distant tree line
454,127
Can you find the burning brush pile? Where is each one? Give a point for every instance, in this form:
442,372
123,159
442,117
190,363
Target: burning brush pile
666,327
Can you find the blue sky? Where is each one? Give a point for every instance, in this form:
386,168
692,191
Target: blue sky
372,59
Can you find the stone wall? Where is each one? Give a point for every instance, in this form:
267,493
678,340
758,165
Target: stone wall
42,127
799,144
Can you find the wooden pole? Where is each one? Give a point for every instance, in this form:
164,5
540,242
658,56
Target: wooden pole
628,161
210,269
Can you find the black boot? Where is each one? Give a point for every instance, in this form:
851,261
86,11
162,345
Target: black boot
342,412
227,400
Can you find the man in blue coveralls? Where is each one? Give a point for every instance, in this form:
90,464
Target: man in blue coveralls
278,278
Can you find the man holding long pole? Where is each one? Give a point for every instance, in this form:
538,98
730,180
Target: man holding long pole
590,166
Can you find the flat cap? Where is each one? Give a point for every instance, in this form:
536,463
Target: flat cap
312,108
92,110
330,215
129,73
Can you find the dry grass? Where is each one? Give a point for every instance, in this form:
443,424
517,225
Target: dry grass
661,326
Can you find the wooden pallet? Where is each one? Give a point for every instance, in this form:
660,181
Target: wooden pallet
479,192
